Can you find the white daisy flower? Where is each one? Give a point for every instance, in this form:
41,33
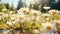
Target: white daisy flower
48,26
56,22
35,12
36,31
24,10
19,18
53,12
25,20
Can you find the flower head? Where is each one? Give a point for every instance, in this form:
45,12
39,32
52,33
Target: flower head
35,12
48,26
23,10
46,7
53,11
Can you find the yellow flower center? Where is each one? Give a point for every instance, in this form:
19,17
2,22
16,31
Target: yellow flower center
48,27
54,12
20,17
24,10
35,13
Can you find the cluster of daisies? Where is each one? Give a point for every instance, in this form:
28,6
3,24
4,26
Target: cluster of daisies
29,19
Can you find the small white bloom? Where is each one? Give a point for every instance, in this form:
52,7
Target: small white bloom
23,10
25,20
5,15
56,22
46,7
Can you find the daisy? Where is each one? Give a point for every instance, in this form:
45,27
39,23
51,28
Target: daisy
35,12
25,20
20,18
57,23
23,10
53,12
46,7
48,27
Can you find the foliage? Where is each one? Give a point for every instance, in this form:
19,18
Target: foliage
20,4
2,6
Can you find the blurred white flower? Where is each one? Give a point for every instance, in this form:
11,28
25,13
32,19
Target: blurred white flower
19,18
23,10
57,22
46,7
5,15
35,12
26,20
53,12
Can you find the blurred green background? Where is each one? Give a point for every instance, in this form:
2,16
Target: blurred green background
32,4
